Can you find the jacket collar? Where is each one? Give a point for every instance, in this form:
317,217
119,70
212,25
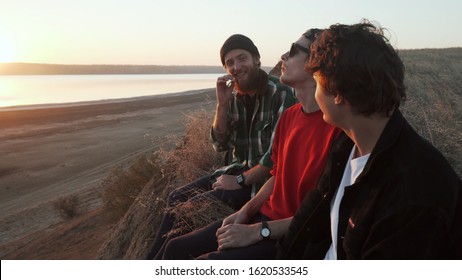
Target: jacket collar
388,138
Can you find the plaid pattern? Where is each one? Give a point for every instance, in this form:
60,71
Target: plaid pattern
250,150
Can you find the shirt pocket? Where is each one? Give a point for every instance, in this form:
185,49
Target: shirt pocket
263,135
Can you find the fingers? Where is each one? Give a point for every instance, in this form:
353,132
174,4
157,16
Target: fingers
231,219
221,231
224,243
226,182
224,239
230,83
226,82
224,90
225,222
218,184
234,236
225,79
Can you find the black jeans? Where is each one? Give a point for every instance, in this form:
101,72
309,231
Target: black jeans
202,244
235,198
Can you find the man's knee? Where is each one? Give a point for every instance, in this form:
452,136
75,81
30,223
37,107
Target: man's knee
179,195
174,197
188,191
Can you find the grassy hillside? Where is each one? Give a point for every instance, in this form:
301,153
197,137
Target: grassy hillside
434,106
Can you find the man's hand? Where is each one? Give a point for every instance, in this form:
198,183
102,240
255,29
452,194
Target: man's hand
226,182
224,89
237,235
233,232
240,217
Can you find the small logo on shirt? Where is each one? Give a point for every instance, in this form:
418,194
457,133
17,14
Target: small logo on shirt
350,223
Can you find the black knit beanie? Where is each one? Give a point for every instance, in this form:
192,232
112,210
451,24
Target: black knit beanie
237,41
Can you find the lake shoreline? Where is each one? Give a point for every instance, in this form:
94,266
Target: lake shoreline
29,91
101,101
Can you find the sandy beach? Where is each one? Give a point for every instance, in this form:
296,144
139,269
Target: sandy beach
53,151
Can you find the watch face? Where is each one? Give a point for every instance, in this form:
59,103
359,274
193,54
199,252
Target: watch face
265,232
239,179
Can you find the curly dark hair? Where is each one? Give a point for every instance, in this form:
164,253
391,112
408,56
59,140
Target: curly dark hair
358,63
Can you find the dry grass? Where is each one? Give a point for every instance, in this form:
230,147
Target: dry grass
122,186
193,156
67,207
195,214
434,106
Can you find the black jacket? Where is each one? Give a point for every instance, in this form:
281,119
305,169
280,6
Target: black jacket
406,204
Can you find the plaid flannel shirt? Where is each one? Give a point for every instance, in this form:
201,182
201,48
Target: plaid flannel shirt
253,146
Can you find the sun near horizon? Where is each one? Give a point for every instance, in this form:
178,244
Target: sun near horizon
6,51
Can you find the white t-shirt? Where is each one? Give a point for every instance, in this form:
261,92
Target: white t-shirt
352,170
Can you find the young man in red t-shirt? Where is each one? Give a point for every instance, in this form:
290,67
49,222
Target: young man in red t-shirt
301,145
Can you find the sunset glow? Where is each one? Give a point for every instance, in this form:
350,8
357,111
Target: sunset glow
6,51
181,32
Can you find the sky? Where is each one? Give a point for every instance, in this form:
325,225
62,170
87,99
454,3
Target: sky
186,32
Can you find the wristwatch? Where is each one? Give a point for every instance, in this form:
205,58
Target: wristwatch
241,180
265,232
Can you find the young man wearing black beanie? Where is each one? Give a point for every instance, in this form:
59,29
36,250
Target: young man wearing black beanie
249,105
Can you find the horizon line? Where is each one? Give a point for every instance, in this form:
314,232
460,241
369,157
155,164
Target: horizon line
180,65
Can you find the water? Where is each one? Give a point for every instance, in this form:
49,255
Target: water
47,89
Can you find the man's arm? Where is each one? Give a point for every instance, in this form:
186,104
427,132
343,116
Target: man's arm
220,124
256,174
241,235
263,195
234,233
252,206
224,95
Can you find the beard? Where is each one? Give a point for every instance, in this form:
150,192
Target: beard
251,83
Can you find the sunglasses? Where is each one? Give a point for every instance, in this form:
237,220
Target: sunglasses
294,47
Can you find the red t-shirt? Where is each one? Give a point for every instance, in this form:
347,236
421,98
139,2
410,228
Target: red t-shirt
301,145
